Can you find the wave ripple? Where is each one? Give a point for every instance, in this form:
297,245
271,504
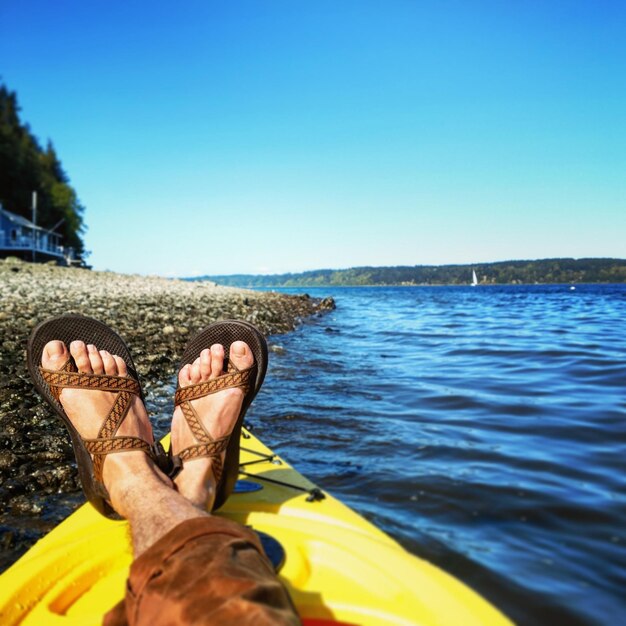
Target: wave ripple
483,428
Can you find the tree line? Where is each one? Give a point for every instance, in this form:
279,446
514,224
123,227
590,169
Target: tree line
26,167
543,271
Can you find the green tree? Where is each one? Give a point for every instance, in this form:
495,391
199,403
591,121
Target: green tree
25,167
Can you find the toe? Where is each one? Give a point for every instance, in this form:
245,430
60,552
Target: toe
54,355
110,366
78,350
205,364
95,359
122,369
194,372
184,376
241,355
217,360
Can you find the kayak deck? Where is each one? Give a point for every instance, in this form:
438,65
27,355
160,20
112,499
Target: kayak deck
338,567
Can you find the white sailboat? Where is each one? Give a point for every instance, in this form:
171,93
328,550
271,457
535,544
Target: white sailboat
474,278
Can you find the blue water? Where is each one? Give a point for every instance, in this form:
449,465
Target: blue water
485,429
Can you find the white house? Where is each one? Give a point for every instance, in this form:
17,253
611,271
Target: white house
20,237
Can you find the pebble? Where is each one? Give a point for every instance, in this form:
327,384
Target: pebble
7,460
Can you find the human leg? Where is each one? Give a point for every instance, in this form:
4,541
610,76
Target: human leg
210,569
192,568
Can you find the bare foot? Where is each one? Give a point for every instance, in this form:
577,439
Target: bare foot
218,413
87,409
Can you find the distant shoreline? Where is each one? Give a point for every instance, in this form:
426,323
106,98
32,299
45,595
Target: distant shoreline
565,271
459,286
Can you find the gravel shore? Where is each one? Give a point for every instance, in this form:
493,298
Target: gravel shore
155,316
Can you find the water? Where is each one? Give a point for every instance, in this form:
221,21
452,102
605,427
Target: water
483,428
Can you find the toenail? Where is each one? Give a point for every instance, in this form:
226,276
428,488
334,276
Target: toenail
91,347
54,349
76,344
239,349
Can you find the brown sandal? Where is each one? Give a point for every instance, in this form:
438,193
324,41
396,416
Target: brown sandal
90,453
207,446
249,379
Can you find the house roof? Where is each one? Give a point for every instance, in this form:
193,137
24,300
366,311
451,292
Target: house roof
22,221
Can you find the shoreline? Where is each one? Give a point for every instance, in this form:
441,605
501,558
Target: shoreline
377,286
155,316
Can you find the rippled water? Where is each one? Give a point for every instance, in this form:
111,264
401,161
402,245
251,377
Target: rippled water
483,428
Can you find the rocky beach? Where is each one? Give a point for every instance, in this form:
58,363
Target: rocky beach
155,316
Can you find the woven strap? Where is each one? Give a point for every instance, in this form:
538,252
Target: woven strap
234,378
106,442
61,379
207,446
101,447
54,381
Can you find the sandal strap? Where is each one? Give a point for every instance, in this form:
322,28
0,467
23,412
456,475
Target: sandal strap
234,378
102,447
212,449
207,445
59,379
99,448
68,366
116,415
193,421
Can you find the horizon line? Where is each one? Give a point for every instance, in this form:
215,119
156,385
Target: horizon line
355,267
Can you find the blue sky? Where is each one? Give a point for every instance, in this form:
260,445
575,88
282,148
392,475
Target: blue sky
264,137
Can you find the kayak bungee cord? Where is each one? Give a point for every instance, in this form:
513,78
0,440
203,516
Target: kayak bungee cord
315,494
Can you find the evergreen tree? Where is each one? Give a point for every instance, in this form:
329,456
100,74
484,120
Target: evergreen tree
25,167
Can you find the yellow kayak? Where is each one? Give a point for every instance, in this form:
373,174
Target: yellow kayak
339,568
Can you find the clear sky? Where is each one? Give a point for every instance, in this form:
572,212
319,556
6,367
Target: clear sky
266,136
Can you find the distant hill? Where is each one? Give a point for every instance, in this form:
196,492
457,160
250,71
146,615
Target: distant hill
543,271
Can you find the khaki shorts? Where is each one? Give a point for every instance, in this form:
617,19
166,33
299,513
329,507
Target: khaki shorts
208,570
